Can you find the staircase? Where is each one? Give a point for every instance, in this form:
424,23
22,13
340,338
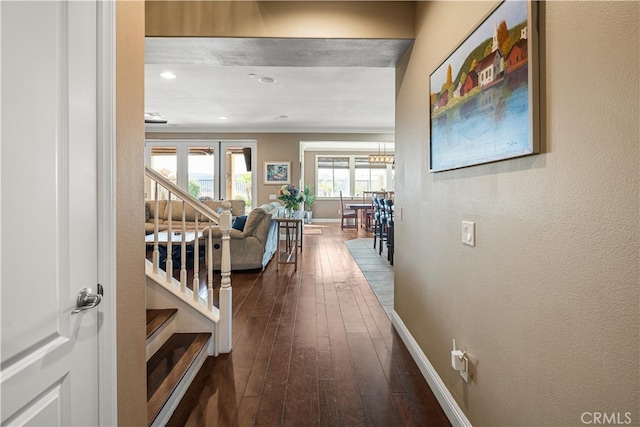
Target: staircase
173,366
180,337
183,327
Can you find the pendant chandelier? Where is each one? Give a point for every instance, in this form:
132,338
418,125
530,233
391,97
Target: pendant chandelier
382,158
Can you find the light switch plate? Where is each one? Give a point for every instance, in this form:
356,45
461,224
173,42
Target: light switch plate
272,196
469,233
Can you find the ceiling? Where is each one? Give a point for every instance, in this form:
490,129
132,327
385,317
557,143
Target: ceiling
320,85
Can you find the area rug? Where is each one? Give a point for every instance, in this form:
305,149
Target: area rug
375,268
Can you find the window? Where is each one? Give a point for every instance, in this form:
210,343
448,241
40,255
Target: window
163,159
369,177
239,177
201,172
333,176
353,175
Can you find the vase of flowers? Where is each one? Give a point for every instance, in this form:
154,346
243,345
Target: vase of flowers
291,196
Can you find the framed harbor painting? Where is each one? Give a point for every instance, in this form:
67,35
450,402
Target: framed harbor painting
484,95
277,172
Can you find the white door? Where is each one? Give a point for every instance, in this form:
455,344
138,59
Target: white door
49,370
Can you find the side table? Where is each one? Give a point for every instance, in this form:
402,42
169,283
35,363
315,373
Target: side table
288,247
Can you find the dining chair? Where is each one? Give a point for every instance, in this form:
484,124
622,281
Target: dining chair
386,220
378,215
388,208
368,214
348,217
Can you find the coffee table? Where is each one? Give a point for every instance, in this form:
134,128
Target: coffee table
190,238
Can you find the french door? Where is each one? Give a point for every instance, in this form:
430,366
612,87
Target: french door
207,169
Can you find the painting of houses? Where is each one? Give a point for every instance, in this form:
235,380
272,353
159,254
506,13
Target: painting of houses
443,99
517,56
484,93
458,92
470,82
490,68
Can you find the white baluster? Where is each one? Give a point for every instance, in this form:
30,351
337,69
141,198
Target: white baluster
196,262
210,269
225,281
156,252
183,252
169,261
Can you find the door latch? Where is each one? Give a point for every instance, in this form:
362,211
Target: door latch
87,299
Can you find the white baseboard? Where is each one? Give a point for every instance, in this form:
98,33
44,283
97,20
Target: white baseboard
440,390
324,220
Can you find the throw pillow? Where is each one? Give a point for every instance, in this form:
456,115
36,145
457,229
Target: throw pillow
253,219
239,222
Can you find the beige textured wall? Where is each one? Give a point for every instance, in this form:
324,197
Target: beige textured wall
131,303
548,299
344,19
283,147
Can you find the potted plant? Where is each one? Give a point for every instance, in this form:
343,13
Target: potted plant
309,200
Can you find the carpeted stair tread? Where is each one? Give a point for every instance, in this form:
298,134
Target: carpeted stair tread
158,317
168,365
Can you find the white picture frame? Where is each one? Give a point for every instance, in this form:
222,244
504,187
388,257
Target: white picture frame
277,172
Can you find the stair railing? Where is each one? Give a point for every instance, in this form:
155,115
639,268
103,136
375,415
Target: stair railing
206,220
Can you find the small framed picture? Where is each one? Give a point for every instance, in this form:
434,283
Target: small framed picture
277,172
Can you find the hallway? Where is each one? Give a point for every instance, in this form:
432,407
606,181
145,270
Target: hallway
312,347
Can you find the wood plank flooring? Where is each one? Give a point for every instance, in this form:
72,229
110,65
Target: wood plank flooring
312,347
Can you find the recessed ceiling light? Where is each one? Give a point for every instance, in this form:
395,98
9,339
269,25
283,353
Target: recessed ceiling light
167,75
267,80
222,118
282,116
252,75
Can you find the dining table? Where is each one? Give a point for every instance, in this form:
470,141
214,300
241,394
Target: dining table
362,209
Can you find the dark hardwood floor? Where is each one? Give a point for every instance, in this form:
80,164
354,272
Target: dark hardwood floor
311,347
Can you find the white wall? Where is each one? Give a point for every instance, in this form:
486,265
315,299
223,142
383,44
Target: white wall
548,299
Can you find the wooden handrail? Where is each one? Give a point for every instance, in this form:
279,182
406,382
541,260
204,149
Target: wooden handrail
183,195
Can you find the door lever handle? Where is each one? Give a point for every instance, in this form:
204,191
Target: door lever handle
87,299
